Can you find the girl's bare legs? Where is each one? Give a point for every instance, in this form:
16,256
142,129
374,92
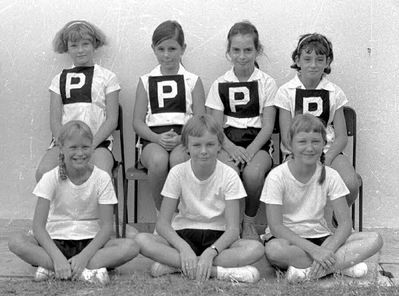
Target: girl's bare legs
240,253
156,159
102,158
114,253
26,247
357,248
253,178
345,169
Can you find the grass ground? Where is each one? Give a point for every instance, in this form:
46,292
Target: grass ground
142,284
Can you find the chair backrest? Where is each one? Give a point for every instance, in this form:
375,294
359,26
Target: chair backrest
350,118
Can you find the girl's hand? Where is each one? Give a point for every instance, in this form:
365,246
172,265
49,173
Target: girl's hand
188,261
168,140
317,271
238,154
251,152
324,258
78,264
62,268
204,266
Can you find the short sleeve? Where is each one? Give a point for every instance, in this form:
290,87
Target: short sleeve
47,185
336,186
272,192
172,186
213,100
55,84
234,188
105,189
270,90
112,84
282,99
340,98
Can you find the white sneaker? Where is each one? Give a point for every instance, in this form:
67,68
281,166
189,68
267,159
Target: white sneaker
356,271
43,274
296,275
95,276
245,274
159,269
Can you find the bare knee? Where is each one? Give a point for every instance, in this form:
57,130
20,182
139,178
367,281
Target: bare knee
375,240
17,243
128,248
144,239
157,163
255,248
275,251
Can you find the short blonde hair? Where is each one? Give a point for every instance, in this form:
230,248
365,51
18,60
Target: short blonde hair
75,31
198,125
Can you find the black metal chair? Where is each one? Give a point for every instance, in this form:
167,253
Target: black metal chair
350,118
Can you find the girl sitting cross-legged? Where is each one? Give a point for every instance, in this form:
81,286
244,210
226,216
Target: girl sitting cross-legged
202,240
296,194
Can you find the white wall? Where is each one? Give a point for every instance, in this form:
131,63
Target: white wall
366,48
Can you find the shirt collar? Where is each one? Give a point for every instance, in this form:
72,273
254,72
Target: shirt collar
157,70
230,76
323,84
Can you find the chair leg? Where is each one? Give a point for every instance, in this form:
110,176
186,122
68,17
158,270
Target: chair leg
136,185
116,213
125,206
116,209
361,207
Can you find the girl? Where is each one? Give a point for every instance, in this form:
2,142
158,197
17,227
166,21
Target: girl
241,99
204,236
165,99
296,194
72,223
86,92
310,92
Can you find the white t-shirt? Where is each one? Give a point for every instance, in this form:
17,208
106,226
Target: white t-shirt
170,117
83,100
303,204
73,213
286,99
266,91
201,205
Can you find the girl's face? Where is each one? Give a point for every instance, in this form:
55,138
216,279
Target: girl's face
169,53
203,150
81,52
243,53
77,150
312,65
307,147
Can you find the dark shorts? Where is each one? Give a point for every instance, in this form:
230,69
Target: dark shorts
317,240
71,248
199,239
243,137
161,129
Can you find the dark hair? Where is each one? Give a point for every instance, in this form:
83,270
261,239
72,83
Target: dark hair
168,30
197,125
64,133
309,123
317,42
244,28
77,30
